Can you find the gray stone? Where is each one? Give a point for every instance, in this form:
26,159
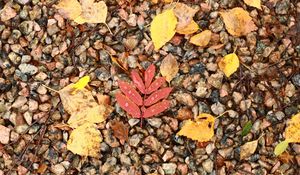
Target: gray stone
155,122
28,69
26,27
296,80
135,140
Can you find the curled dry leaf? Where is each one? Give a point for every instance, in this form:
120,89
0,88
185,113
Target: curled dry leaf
238,22
169,67
253,3
189,29
248,149
202,129
120,131
185,15
229,64
70,9
201,39
162,28
85,140
92,12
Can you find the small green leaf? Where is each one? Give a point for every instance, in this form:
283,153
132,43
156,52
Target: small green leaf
247,128
281,147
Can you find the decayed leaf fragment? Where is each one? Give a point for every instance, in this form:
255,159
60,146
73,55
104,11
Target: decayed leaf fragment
202,129
162,28
185,15
189,29
292,132
70,9
253,3
238,22
85,140
169,67
248,149
120,131
201,39
92,12
229,64
82,106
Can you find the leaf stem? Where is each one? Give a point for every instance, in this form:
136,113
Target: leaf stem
50,88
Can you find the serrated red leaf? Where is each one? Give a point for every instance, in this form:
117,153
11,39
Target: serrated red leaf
138,82
149,74
157,95
156,109
130,107
130,92
155,85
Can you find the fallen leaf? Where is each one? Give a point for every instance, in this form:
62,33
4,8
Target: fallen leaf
120,131
169,67
85,140
248,149
82,107
92,12
281,147
191,28
42,168
292,132
201,39
62,126
118,63
286,158
156,109
7,13
81,83
229,64
238,22
185,15
247,128
162,28
253,3
202,129
70,9
156,84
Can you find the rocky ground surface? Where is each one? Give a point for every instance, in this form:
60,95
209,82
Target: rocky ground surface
38,47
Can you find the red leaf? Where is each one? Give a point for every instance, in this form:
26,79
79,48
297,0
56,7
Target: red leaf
149,74
155,85
156,109
130,107
157,95
131,93
137,80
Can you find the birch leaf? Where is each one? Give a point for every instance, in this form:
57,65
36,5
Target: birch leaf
85,140
253,3
189,29
70,9
201,39
248,149
185,15
162,28
92,12
281,147
229,64
292,132
169,67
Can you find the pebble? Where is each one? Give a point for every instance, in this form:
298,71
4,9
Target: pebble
28,69
155,122
185,99
133,121
23,2
32,105
296,80
19,102
169,168
135,140
152,143
125,160
216,80
208,165
132,19
7,13
58,169
4,136
26,27
167,156
109,165
28,117
218,108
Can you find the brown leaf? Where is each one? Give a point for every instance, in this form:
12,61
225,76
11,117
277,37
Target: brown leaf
120,131
184,14
169,67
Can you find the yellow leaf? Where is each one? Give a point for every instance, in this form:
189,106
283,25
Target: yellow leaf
85,140
92,12
238,22
281,147
189,29
248,149
81,83
201,39
202,129
162,28
292,132
70,9
185,15
229,64
169,67
253,3
82,107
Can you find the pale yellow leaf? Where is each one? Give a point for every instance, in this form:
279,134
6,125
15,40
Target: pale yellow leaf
185,15
169,67
292,132
92,12
281,147
253,3
248,149
85,140
81,83
162,28
229,64
238,22
201,39
189,29
70,9
202,129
